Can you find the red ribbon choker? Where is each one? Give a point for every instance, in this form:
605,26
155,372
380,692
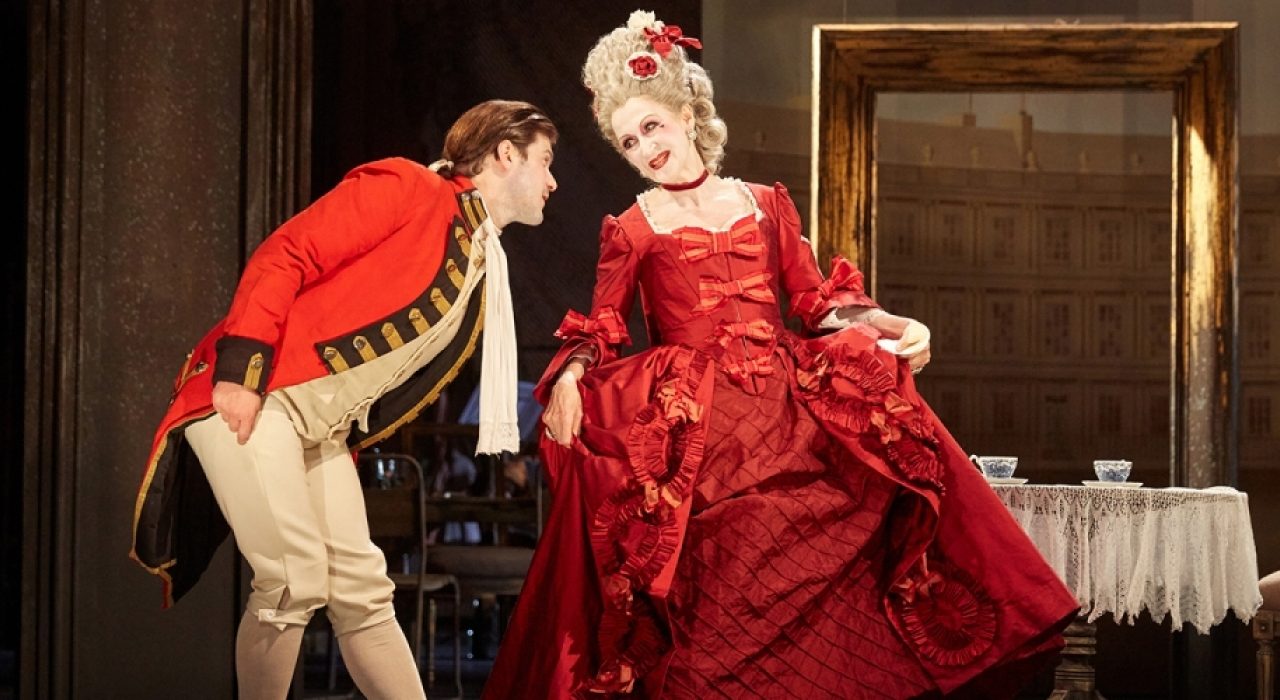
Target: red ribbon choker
679,186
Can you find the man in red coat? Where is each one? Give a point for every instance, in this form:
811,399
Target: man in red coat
349,319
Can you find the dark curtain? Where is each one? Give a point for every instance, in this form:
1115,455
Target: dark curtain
13,280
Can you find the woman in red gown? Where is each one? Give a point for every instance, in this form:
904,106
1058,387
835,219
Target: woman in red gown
743,511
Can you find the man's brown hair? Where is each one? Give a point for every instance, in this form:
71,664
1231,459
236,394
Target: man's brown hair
478,132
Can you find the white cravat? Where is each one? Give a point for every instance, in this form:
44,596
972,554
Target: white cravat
499,426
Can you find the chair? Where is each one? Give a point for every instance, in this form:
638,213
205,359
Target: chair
1265,632
497,567
395,499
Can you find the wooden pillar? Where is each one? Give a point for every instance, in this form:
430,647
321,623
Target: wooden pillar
144,199
1206,378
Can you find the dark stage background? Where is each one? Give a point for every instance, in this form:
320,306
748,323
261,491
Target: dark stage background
163,141
391,77
13,58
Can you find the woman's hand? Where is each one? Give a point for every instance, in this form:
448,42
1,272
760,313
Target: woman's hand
563,417
912,337
913,344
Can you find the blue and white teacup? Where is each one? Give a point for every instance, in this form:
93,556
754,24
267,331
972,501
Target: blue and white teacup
1113,470
996,467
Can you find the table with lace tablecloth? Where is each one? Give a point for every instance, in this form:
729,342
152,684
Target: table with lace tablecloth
1183,553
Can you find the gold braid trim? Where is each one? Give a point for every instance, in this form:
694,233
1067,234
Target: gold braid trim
162,570
432,395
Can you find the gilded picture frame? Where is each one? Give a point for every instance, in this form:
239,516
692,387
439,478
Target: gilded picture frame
1197,62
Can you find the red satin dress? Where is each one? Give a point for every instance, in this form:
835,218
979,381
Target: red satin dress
754,514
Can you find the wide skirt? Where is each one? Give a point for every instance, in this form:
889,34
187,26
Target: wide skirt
817,534
780,585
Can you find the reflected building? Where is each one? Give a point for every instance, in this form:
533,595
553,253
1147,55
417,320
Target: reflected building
1042,262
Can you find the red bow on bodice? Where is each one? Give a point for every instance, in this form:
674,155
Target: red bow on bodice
741,240
712,292
758,329
668,36
743,370
604,323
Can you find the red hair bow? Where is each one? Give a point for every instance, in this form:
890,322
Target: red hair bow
670,35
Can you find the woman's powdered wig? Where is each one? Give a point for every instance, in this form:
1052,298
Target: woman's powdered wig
478,132
628,62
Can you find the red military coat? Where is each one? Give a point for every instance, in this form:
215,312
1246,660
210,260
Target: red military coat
369,266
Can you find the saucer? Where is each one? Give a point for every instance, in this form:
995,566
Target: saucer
1011,480
1113,484
889,345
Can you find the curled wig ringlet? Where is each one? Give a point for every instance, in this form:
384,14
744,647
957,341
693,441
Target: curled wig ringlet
678,82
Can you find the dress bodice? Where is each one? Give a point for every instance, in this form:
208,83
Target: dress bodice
717,292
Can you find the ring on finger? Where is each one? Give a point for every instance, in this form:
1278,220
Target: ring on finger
548,433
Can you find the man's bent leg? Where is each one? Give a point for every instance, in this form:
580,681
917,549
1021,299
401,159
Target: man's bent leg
360,593
265,657
261,487
359,590
381,663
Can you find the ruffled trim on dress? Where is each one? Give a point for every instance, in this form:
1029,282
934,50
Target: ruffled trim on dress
635,533
842,288
938,609
852,388
941,612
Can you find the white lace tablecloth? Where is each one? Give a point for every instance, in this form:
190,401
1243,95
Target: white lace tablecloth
1187,553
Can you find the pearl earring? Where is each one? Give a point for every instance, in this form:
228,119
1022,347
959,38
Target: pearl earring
692,133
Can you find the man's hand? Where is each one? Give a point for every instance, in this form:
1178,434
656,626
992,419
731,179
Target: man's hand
238,407
563,416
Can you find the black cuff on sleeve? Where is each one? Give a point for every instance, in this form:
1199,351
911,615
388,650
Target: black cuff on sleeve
244,361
